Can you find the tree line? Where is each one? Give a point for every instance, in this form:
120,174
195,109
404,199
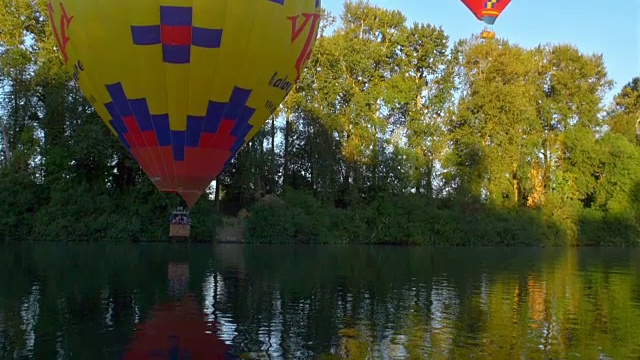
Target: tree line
394,134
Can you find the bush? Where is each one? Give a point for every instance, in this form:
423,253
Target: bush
270,222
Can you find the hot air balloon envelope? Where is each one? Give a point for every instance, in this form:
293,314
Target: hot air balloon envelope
486,10
184,86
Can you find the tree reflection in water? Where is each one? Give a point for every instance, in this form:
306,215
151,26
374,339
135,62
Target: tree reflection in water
121,302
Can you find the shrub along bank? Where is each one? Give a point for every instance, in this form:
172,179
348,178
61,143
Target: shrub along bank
417,220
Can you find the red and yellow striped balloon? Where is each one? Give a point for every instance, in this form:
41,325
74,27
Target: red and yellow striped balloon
486,11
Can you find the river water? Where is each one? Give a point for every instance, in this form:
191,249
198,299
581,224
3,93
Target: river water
181,301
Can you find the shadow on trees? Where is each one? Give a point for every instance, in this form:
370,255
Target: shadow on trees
80,211
399,219
463,218
612,229
412,219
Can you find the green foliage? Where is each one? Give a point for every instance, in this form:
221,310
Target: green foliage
100,219
271,223
100,216
205,220
299,218
19,199
599,228
404,219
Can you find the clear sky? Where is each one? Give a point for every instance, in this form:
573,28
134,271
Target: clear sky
609,27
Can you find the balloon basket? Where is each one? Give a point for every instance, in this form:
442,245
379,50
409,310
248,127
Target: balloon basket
179,231
179,224
487,34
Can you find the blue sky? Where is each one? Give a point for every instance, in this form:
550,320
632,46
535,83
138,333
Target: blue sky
593,26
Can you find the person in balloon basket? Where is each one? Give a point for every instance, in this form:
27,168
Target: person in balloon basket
179,220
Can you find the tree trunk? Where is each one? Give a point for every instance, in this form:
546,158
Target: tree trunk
274,160
217,193
638,131
5,142
311,156
429,175
285,155
259,168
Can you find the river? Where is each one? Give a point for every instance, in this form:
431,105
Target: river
162,301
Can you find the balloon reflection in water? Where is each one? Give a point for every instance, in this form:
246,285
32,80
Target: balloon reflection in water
178,329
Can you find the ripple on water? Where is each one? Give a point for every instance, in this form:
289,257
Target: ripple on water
585,306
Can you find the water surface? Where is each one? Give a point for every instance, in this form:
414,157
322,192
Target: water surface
103,301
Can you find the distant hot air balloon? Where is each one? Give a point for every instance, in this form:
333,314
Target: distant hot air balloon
487,11
184,84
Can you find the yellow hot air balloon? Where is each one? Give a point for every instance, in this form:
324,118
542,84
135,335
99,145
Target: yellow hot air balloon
184,84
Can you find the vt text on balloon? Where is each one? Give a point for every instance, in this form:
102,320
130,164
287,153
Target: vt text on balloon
185,84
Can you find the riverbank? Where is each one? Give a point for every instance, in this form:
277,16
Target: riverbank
298,217
232,231
415,220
